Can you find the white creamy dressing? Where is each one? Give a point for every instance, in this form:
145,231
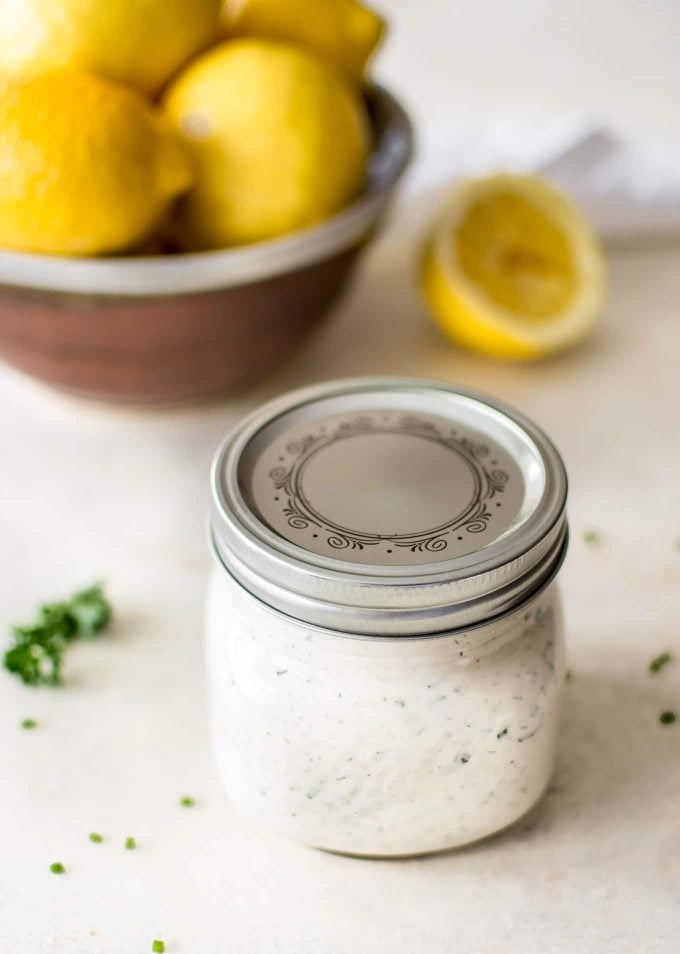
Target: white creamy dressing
389,746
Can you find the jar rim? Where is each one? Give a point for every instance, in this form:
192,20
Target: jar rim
375,598
528,597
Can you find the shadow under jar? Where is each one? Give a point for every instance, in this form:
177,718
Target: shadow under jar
384,630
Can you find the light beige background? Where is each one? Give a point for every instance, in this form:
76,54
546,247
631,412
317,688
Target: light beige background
88,492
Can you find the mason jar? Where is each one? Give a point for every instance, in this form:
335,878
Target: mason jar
384,630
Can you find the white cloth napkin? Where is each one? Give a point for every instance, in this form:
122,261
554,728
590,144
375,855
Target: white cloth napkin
629,190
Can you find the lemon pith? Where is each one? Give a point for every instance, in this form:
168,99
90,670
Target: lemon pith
529,267
512,268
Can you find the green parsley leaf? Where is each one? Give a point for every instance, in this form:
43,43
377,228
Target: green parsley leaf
91,611
158,947
130,843
34,658
656,665
667,718
36,655
187,801
96,837
29,724
57,868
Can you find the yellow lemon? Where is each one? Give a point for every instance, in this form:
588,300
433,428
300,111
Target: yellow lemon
88,166
512,268
280,141
139,42
343,31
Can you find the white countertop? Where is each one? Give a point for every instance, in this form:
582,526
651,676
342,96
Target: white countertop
89,492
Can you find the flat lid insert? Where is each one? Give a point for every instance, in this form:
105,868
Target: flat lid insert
382,487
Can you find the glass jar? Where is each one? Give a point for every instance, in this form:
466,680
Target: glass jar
384,631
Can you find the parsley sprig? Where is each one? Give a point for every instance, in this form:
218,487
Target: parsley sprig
36,654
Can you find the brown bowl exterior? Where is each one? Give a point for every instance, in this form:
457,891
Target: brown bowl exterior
177,327
147,349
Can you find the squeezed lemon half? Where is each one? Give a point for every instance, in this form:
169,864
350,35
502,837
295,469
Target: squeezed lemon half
512,268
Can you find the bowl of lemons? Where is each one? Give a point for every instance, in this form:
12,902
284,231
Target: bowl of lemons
186,187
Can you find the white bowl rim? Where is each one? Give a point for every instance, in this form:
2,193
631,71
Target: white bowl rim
192,272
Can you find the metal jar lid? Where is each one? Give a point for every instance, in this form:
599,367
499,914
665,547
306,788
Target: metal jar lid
388,506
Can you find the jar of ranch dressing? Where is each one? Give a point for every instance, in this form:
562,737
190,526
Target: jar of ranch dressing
384,630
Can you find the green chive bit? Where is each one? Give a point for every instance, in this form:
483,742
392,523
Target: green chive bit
57,868
158,947
666,718
130,843
96,838
187,801
29,724
568,676
591,536
656,665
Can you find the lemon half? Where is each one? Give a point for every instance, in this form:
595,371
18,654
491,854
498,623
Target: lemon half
513,268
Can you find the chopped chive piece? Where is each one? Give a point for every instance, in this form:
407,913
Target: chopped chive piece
187,801
158,947
96,838
57,868
568,676
666,718
29,724
591,536
130,843
656,665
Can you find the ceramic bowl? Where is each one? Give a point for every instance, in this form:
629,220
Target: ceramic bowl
174,327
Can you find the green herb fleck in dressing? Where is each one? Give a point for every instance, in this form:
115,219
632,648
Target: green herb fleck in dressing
591,536
187,801
57,868
29,724
130,843
96,837
667,718
158,947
